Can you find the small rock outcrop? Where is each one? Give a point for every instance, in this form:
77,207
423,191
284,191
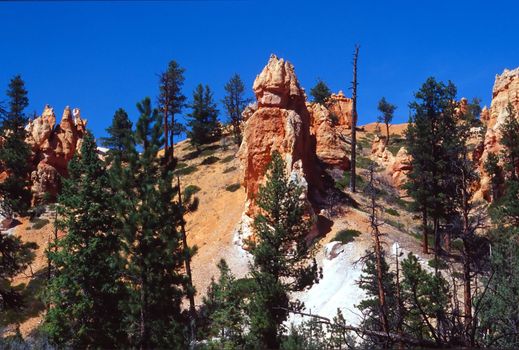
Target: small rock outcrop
53,146
396,166
342,107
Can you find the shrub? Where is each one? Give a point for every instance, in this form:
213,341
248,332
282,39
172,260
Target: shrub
344,182
228,170
234,187
392,211
185,171
39,223
181,165
363,162
190,190
346,236
442,265
210,160
228,159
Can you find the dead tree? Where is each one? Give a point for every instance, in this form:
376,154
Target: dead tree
375,223
354,122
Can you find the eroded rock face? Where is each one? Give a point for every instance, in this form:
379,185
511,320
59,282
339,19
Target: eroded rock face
396,166
505,90
281,122
53,146
342,107
331,147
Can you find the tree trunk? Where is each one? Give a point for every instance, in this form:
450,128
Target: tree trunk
425,240
387,134
143,328
187,263
354,122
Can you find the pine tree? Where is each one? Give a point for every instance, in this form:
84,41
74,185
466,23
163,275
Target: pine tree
492,168
235,103
15,257
14,152
120,134
282,256
509,136
149,221
171,101
85,291
320,92
203,119
433,143
425,296
370,306
387,109
225,307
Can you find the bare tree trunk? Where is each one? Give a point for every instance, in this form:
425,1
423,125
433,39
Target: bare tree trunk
354,122
187,263
387,134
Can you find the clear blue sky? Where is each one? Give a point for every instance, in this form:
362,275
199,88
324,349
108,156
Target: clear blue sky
100,56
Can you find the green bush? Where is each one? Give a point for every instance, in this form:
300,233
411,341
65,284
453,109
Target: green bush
181,165
392,211
185,171
344,182
39,223
190,190
346,236
442,265
234,187
228,159
363,162
210,160
228,170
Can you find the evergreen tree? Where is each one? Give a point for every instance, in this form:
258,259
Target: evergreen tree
120,134
509,136
235,103
387,109
224,307
148,224
14,152
426,299
171,100
15,257
492,168
282,257
320,92
203,119
370,306
84,294
433,143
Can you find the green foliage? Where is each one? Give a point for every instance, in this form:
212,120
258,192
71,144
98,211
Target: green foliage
203,119
509,136
346,236
224,309
229,169
233,187
282,260
15,257
228,159
14,152
190,190
234,103
120,132
426,298
209,160
363,162
170,99
392,211
181,165
86,260
344,182
38,223
387,111
320,92
370,306
186,170
437,264
148,220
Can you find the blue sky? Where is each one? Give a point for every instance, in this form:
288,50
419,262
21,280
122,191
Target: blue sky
100,56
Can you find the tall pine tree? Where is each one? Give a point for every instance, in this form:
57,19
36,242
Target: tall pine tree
203,119
235,103
282,257
14,152
120,134
149,220
84,292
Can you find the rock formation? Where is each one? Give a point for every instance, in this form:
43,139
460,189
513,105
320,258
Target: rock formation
331,147
53,146
342,107
280,122
396,166
505,90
